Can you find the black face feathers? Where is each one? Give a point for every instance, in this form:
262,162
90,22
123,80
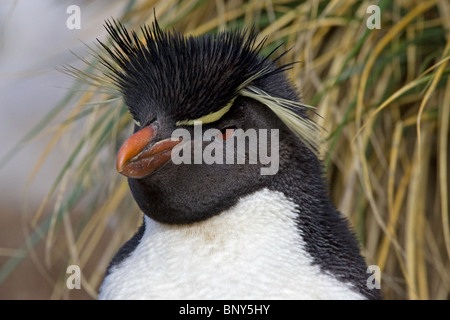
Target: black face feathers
188,77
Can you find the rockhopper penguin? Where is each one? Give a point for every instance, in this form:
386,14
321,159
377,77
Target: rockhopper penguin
222,230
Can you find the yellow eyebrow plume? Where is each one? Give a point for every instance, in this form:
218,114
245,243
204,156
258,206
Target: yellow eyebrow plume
209,118
304,128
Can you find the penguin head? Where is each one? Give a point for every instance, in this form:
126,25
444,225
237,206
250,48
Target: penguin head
227,112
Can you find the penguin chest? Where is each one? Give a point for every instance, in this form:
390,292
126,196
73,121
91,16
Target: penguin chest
254,250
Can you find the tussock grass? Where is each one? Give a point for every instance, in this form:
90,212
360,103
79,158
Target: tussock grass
384,100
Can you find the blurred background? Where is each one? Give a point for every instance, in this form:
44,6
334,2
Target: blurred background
379,77
34,42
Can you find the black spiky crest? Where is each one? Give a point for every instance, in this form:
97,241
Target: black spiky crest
195,74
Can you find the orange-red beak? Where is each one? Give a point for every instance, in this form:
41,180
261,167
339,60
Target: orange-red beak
140,155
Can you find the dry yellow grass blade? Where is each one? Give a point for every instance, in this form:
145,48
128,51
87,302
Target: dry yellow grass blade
444,116
414,211
215,22
417,82
393,205
430,91
390,35
95,228
61,130
279,24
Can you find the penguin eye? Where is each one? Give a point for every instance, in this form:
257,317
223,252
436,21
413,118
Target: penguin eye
226,133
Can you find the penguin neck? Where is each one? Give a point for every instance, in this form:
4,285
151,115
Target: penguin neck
326,233
253,250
